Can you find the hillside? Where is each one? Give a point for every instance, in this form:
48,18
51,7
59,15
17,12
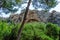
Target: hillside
39,16
32,14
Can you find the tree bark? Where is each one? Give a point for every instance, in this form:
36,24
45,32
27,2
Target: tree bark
23,22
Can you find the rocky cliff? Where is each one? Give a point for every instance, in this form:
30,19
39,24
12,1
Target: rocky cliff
33,15
54,17
38,16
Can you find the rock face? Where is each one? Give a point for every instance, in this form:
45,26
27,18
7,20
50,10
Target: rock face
38,16
43,15
15,18
31,16
54,17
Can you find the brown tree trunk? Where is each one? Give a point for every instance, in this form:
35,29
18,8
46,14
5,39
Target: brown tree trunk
23,22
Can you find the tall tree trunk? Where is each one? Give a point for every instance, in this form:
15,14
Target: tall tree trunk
23,22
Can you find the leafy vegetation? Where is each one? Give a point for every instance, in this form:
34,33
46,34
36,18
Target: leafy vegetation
37,31
31,31
10,4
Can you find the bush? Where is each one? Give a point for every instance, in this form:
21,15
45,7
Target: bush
31,31
52,31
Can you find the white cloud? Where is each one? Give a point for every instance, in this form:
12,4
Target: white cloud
58,0
31,7
57,8
5,15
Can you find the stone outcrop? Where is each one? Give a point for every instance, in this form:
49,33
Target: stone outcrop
31,16
54,17
38,16
15,18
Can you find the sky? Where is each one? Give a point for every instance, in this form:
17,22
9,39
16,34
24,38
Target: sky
57,8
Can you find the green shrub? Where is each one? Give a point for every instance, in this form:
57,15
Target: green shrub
52,31
31,31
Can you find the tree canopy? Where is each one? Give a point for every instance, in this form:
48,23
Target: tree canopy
8,5
44,4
